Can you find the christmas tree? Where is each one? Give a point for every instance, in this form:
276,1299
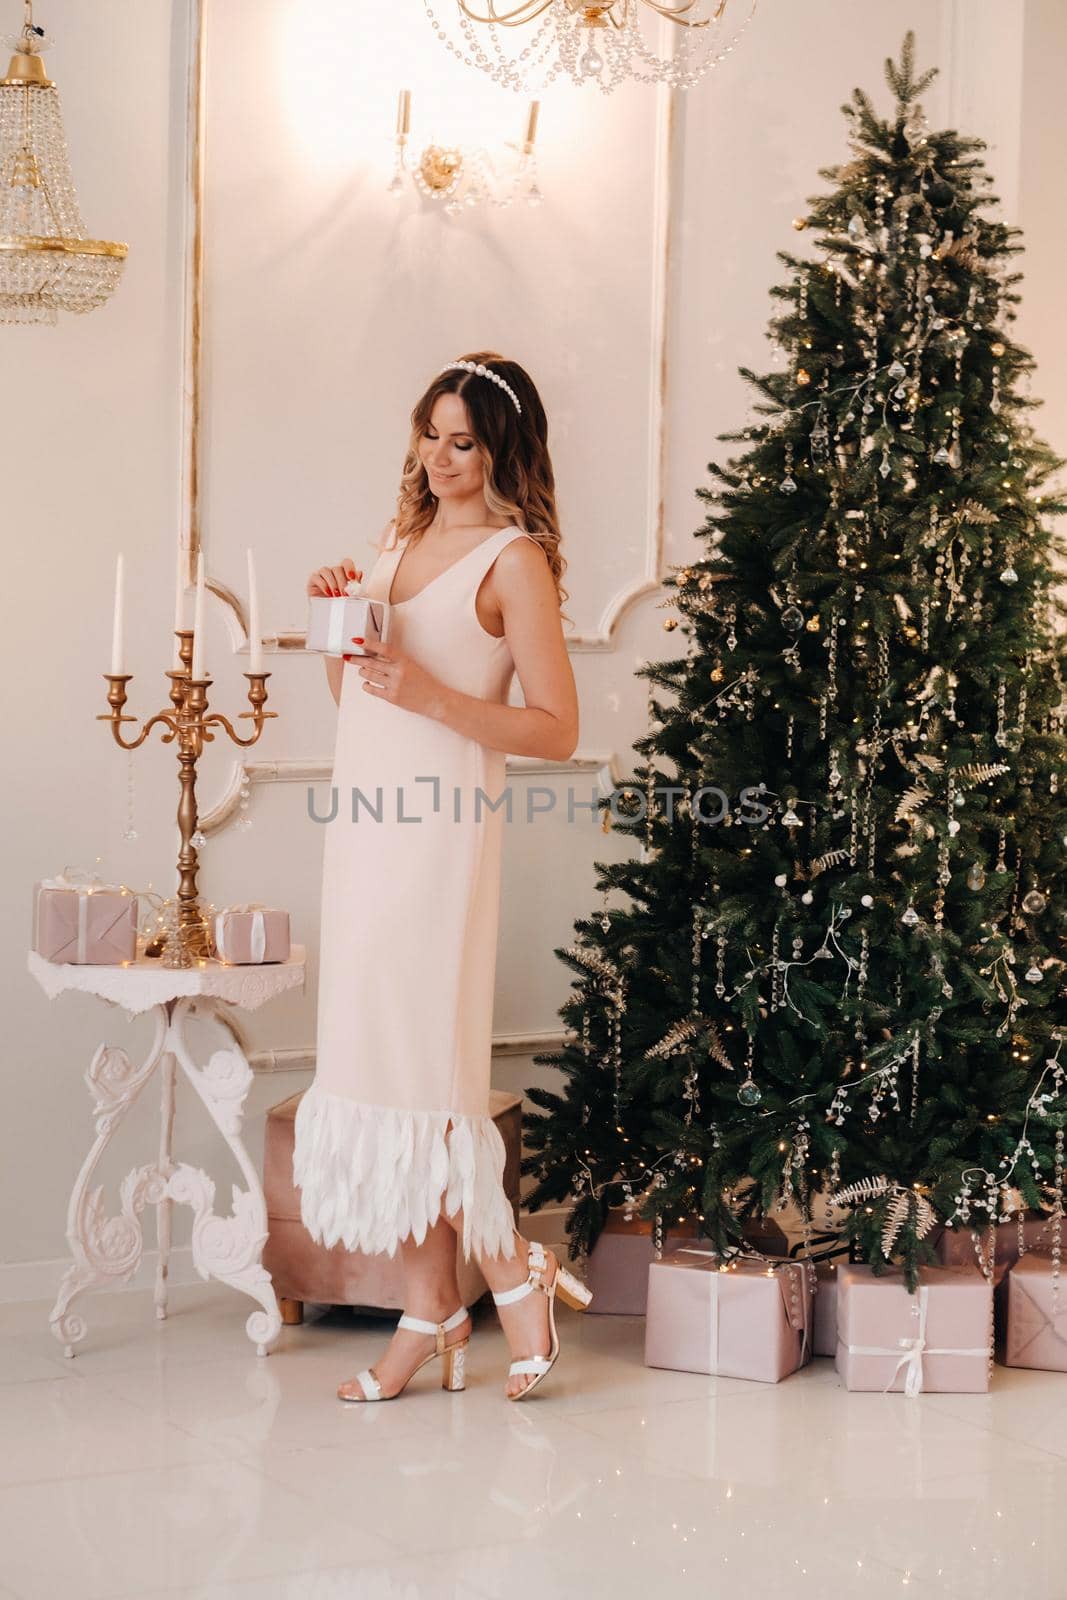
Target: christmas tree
839,968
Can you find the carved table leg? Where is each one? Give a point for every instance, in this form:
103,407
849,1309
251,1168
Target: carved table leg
164,1205
106,1250
227,1248
292,1312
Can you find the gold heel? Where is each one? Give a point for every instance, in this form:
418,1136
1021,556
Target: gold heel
570,1291
453,1367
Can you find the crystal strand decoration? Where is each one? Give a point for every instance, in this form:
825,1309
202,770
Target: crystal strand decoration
1057,1224
129,833
914,1075
691,1091
616,1051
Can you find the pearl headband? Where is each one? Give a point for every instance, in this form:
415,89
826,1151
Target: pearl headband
486,372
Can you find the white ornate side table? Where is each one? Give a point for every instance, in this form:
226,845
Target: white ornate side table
107,1250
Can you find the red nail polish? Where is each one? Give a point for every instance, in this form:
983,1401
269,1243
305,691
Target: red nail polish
358,641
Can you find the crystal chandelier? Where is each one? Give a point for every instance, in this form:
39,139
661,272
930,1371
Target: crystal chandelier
602,43
47,262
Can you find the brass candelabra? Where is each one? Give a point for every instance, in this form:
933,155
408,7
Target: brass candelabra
190,724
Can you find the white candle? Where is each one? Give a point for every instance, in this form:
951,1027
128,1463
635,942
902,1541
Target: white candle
117,626
179,606
198,619
255,638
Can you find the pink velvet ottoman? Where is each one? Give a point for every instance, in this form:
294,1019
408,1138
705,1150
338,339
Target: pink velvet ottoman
303,1270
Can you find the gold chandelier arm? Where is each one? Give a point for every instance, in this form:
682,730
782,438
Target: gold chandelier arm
524,12
675,13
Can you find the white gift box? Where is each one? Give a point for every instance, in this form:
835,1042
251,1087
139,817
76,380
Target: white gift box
334,621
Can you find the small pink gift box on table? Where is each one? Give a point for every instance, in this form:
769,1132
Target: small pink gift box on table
251,934
742,1318
935,1339
77,920
1036,1333
334,621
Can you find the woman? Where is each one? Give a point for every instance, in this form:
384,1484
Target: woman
394,1143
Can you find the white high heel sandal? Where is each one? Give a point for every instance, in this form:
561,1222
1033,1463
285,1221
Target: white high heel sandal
453,1356
571,1291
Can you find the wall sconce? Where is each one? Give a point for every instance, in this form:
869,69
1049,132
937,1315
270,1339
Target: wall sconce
459,176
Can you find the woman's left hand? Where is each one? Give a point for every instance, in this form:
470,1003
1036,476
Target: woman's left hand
396,677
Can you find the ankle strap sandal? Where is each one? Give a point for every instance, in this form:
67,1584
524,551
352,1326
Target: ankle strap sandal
570,1290
453,1375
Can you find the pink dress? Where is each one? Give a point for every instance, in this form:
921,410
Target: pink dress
410,910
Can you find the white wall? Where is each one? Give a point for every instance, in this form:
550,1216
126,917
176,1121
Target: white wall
328,305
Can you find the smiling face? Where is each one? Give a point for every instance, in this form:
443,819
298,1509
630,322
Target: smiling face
448,452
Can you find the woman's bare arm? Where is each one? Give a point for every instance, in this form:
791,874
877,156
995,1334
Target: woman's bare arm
547,725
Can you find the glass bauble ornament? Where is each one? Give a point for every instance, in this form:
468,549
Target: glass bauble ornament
750,1093
910,917
1009,575
792,619
976,876
1034,974
1034,902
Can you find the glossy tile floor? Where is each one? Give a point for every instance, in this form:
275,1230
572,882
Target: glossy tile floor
167,1459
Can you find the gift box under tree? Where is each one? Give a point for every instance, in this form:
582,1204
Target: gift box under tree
938,1338
1036,1321
743,1318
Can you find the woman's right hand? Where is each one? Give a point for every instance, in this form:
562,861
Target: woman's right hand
332,580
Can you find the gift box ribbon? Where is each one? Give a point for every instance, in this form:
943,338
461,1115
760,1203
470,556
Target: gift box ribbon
801,1326
914,1350
259,932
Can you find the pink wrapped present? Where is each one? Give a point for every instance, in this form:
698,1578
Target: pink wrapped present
959,1247
1036,1331
617,1266
824,1316
937,1338
79,921
334,622
744,1318
251,934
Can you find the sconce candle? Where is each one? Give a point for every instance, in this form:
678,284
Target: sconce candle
198,620
403,112
531,125
117,625
179,607
255,638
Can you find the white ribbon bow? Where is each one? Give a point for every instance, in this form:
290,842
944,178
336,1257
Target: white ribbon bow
914,1350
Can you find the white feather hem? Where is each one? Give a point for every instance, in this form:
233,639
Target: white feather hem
370,1176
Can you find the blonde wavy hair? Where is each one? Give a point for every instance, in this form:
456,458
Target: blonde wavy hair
519,480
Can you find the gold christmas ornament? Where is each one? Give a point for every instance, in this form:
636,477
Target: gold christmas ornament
670,623
800,223
48,263
803,377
